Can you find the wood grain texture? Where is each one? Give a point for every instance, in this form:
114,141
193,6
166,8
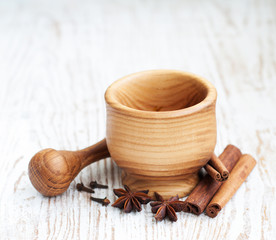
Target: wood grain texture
167,188
161,126
57,59
51,171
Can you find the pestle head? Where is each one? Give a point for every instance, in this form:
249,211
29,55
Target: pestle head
52,171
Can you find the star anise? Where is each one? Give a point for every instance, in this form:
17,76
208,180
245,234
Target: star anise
129,200
164,208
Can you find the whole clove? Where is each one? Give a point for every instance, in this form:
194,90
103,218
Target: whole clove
103,201
82,188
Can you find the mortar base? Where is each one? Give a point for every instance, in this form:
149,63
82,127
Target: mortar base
167,188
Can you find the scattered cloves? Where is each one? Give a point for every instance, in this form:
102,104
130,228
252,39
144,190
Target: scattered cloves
94,184
103,201
81,187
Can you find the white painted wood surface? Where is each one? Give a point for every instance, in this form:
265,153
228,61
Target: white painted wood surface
58,57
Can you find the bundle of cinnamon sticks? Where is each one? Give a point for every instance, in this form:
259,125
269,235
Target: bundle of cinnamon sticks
225,174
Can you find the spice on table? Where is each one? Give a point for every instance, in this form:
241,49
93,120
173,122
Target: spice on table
94,184
216,169
81,187
238,175
164,208
103,201
207,187
212,172
129,200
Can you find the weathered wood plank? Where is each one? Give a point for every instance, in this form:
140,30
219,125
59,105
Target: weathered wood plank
58,57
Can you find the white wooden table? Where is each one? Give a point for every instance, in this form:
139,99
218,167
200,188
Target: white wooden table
58,57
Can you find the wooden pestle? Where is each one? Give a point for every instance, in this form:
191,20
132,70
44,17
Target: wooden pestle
52,171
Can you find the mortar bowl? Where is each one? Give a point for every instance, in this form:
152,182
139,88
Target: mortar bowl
161,129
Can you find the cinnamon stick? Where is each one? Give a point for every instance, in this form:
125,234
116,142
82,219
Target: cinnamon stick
213,172
207,187
238,175
217,164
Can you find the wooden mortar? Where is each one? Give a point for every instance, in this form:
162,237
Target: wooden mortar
161,129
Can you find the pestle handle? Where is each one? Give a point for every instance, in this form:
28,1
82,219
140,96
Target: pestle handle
93,153
52,171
